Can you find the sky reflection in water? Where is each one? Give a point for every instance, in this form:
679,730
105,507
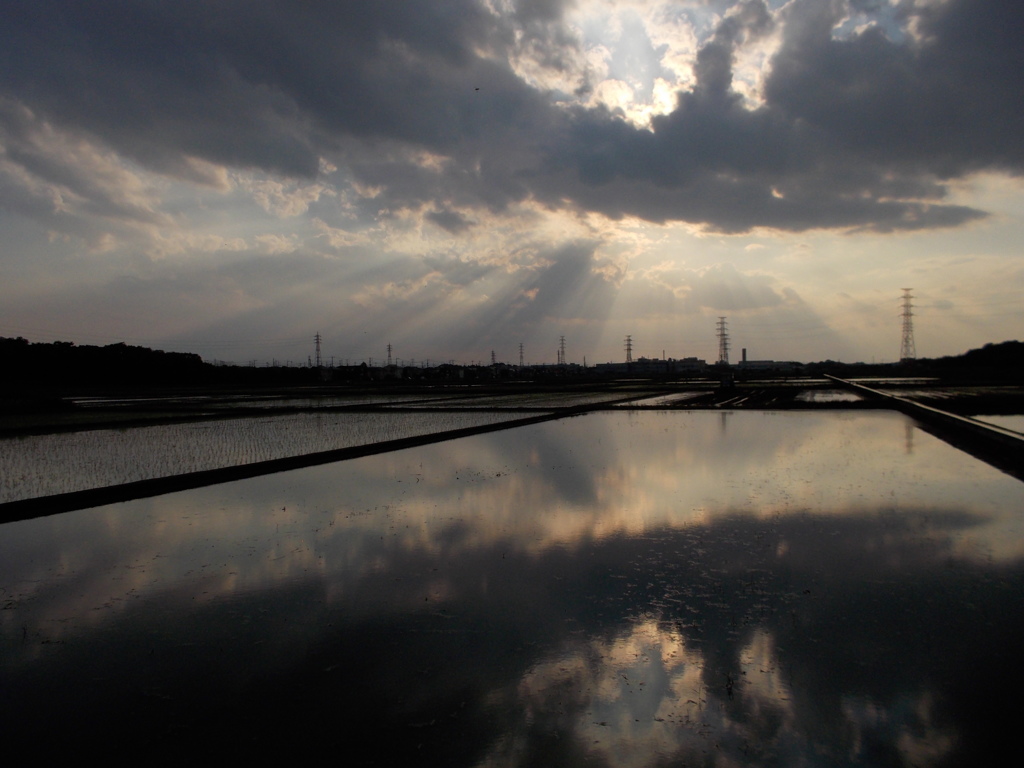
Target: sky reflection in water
623,589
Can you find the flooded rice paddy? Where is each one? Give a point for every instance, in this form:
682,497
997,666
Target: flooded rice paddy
42,465
660,401
1006,421
828,396
234,401
534,400
617,589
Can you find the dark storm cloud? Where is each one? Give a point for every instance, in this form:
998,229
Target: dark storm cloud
949,106
540,10
537,32
860,130
714,61
451,221
269,85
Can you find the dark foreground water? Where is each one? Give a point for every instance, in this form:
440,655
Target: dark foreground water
618,589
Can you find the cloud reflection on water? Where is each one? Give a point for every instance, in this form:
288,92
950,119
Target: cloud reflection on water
621,589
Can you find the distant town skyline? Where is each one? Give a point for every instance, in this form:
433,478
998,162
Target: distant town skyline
456,177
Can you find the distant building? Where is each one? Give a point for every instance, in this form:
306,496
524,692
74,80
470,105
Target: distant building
764,365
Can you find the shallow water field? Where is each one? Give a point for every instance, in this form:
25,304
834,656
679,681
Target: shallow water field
1007,421
828,396
229,402
530,400
41,465
616,589
665,400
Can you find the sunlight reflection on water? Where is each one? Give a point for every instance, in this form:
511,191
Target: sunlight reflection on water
623,589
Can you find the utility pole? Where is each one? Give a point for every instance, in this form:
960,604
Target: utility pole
907,351
723,342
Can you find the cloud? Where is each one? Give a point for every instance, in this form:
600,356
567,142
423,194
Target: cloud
285,200
841,160
941,107
867,111
451,221
67,183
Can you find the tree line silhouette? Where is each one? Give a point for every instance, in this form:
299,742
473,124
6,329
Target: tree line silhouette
37,368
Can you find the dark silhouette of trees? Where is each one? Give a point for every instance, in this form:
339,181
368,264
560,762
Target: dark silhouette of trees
62,364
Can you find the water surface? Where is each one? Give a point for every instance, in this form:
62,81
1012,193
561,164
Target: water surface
1007,421
617,589
42,465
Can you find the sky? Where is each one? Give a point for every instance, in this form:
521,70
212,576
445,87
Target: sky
461,177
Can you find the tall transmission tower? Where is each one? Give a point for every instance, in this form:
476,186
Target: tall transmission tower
629,349
723,342
494,360
907,351
317,339
561,350
520,354
389,354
